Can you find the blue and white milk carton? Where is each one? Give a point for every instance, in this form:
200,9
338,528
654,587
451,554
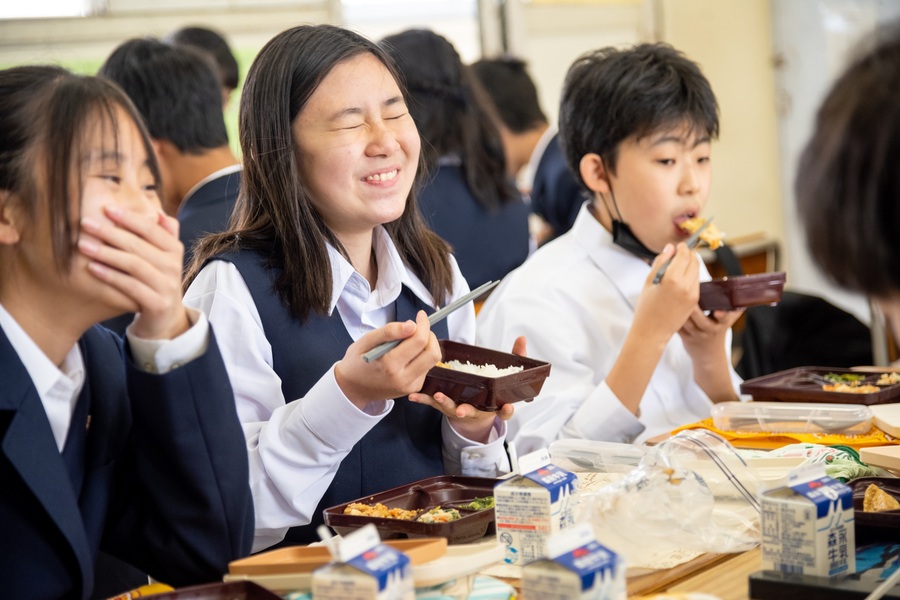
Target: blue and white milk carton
365,569
577,568
529,508
807,526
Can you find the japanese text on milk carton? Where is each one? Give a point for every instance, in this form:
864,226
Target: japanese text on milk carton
530,508
807,526
366,570
578,568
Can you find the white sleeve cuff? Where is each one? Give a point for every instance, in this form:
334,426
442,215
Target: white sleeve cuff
161,356
465,457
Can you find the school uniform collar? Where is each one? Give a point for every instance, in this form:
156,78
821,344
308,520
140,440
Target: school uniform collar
393,274
537,154
49,381
626,271
236,168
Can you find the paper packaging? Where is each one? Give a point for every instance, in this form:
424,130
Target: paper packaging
366,570
807,526
578,568
529,508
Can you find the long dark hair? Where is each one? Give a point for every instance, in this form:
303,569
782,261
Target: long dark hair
453,113
848,178
47,114
274,213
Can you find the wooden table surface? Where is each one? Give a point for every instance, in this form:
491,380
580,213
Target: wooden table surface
723,576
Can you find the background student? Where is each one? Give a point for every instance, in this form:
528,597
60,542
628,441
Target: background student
532,145
327,258
469,198
631,359
175,90
848,185
134,450
216,46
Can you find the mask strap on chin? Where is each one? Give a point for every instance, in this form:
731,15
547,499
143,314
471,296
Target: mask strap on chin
622,234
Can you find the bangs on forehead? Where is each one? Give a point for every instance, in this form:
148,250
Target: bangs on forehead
99,135
689,131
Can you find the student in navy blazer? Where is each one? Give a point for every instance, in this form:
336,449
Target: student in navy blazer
532,146
177,90
129,449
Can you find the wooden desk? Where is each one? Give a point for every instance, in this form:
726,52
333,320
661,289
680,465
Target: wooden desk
726,579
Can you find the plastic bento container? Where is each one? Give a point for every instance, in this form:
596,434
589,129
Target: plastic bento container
595,456
801,384
792,417
729,293
483,392
447,491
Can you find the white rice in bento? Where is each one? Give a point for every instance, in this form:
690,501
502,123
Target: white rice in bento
485,370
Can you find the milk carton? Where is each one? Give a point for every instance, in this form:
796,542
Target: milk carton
365,569
578,568
529,508
807,526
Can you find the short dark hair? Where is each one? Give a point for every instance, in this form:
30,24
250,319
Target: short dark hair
275,211
176,90
453,113
506,80
848,179
212,42
610,95
46,116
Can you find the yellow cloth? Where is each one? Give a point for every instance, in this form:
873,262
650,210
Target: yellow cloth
770,441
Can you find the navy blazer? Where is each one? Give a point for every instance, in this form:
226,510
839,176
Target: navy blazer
556,194
487,244
207,210
154,471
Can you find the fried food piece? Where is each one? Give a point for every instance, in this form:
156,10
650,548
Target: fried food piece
877,500
711,235
849,388
379,510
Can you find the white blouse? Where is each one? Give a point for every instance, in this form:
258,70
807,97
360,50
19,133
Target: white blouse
296,445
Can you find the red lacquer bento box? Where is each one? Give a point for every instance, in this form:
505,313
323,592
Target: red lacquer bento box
445,491
729,293
482,391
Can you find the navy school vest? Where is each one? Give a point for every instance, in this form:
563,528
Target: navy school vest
404,446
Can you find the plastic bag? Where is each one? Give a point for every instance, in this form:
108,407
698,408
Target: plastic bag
693,491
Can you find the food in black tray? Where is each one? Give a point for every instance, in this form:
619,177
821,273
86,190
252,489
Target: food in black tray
823,384
482,391
447,493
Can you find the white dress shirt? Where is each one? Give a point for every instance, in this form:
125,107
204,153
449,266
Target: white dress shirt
296,445
574,300
59,387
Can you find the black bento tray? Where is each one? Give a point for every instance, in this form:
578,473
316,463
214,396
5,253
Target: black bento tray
797,385
444,490
740,291
878,521
485,393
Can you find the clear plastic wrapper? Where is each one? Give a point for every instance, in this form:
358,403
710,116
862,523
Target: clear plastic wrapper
595,456
793,417
693,491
